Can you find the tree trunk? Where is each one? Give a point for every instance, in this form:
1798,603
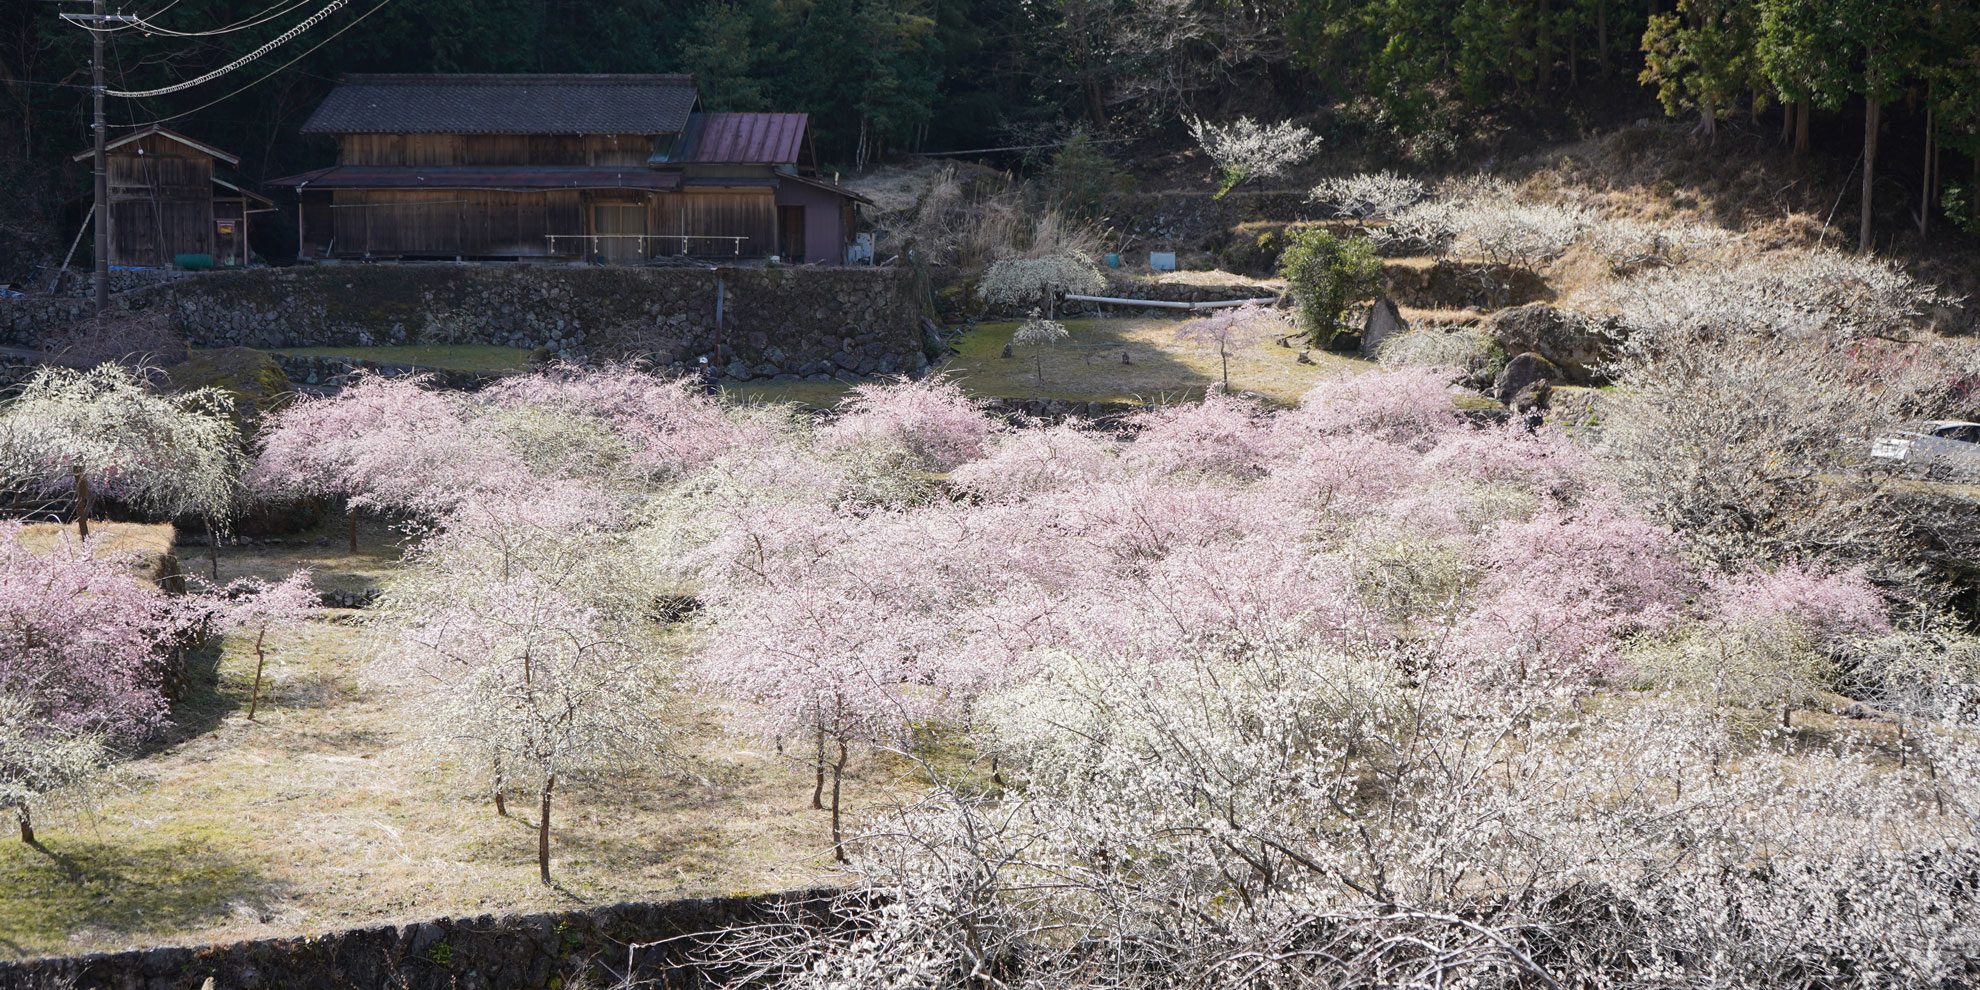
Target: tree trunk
501,800
543,832
1602,37
818,786
82,501
1873,115
27,826
838,773
260,660
1801,137
352,528
1226,356
1925,184
213,551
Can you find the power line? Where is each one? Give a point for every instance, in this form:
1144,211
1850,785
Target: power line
271,73
271,13
280,40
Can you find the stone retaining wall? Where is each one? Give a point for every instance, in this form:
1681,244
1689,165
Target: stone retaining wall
335,372
788,322
585,947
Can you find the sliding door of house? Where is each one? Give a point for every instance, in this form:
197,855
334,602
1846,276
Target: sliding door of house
619,231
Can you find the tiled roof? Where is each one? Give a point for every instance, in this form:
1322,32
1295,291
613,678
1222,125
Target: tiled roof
506,104
481,177
744,138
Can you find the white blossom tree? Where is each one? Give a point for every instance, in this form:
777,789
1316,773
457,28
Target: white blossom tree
105,432
1246,150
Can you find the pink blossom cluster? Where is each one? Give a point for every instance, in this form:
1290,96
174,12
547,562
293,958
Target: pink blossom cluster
1372,514
83,636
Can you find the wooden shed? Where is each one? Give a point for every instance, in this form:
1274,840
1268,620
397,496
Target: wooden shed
617,169
166,201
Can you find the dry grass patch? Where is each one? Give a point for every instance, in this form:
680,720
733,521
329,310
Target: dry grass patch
1088,367
331,810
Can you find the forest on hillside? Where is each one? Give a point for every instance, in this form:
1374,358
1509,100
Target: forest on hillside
1427,83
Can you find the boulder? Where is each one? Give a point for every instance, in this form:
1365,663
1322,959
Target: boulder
1384,321
1576,344
1525,381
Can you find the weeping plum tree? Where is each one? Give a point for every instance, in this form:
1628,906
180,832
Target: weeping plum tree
105,433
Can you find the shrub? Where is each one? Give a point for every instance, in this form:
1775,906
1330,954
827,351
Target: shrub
1328,274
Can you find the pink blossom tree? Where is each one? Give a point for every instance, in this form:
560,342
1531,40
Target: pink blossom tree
1227,330
84,640
933,420
263,606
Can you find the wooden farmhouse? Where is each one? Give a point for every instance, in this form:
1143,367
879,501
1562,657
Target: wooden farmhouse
167,205
618,169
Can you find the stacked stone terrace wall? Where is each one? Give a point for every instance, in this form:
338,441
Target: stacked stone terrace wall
586,947
788,322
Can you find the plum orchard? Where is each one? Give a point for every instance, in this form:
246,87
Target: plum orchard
1357,691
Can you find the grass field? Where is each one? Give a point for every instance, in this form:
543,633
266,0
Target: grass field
1088,367
329,811
451,357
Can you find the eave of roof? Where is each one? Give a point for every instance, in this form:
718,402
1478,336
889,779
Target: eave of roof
831,187
166,133
479,177
248,193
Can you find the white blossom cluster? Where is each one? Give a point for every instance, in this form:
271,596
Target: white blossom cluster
1824,295
1368,196
1247,149
1272,815
1628,245
1021,282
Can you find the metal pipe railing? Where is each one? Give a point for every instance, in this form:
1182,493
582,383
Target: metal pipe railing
735,242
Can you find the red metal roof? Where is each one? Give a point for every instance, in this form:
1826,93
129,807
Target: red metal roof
479,177
745,138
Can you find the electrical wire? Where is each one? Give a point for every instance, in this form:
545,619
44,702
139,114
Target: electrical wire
272,72
279,40
144,23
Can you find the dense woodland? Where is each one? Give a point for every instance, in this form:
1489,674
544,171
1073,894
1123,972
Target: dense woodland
1428,82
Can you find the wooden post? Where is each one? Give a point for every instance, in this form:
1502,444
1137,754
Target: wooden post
82,501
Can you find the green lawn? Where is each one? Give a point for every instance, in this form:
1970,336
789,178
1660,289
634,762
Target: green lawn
452,357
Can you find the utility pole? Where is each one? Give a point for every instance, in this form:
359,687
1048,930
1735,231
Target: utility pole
101,162
97,21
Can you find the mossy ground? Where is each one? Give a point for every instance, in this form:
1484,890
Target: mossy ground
449,357
331,810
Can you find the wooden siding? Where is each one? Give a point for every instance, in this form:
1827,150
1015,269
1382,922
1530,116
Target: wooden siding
161,202
448,223
494,149
468,223
751,214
